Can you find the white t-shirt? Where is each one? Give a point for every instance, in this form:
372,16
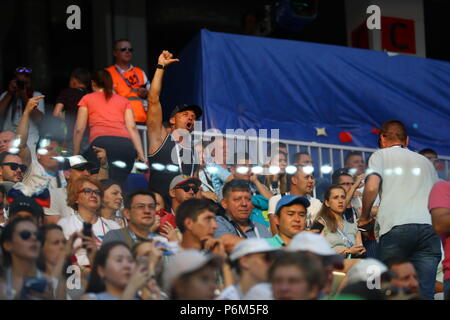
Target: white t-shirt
407,179
312,210
38,178
74,223
11,122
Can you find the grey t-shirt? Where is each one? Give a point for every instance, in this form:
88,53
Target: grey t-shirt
339,240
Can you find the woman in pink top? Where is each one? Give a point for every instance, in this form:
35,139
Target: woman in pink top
112,127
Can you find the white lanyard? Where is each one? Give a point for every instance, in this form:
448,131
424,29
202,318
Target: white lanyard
180,163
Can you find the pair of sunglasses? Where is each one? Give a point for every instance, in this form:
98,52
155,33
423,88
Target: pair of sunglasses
24,70
26,234
187,188
125,49
15,166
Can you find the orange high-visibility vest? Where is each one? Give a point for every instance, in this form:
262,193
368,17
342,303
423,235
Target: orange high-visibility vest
127,86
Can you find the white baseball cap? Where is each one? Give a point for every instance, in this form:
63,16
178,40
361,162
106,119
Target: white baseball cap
317,244
361,271
186,261
78,161
251,246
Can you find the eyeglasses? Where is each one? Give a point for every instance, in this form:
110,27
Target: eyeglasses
24,70
125,49
187,188
142,206
88,192
14,166
26,234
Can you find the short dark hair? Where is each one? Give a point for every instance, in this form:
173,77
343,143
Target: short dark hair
130,196
390,262
310,266
236,185
394,130
191,209
339,173
82,75
352,154
428,150
3,155
118,41
296,156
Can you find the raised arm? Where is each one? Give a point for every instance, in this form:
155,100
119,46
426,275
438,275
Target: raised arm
22,129
156,134
80,127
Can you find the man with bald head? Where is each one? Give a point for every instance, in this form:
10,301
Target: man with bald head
404,180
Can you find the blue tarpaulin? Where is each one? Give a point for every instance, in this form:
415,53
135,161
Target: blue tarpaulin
252,82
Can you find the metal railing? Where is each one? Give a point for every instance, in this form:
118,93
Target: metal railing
322,154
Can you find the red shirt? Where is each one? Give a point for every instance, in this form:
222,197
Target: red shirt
106,117
440,198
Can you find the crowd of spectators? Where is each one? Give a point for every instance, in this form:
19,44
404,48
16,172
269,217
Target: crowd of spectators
90,216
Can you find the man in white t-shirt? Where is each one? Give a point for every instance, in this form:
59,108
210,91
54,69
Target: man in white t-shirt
251,260
301,184
43,169
14,100
404,180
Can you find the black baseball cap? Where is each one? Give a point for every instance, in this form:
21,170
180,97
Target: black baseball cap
27,204
193,107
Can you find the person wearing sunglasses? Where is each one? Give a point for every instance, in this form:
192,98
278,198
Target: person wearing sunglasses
11,167
20,243
129,81
14,100
84,196
183,188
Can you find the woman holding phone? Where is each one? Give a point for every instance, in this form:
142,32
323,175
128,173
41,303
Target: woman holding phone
20,243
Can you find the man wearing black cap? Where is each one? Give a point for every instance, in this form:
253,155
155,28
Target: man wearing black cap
169,154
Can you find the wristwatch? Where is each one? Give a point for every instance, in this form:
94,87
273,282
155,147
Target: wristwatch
160,66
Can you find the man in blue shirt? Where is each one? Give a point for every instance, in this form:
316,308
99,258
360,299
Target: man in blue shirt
235,224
